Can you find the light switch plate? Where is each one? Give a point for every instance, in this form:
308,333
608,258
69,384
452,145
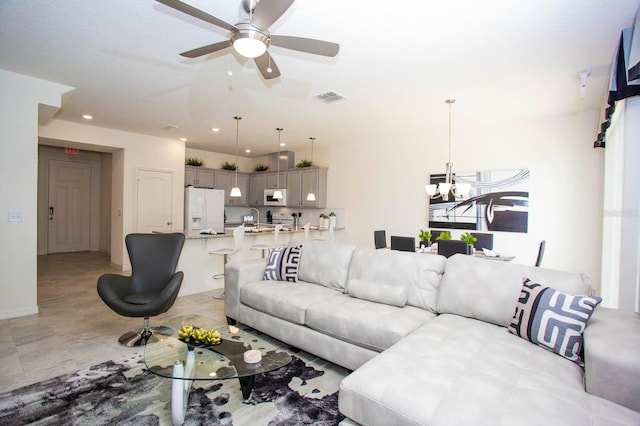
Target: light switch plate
15,216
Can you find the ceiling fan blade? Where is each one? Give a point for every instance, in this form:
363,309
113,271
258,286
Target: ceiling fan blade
197,13
264,63
205,50
309,45
267,12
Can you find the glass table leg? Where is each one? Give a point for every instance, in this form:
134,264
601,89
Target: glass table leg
180,387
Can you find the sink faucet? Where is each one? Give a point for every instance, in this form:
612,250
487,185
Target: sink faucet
257,216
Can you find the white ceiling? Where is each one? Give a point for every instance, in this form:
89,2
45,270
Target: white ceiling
397,64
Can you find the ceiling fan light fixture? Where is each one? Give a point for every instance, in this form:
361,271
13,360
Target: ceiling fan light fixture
250,43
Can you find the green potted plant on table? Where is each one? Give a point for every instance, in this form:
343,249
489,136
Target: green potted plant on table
444,235
469,239
425,238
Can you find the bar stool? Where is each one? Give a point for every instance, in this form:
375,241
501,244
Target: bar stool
265,247
331,236
238,238
306,230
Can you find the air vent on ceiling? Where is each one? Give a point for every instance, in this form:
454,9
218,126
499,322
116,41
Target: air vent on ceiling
328,97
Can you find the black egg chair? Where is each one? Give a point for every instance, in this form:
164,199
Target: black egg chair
152,287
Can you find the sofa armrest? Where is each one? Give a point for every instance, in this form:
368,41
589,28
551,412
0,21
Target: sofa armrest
612,356
237,274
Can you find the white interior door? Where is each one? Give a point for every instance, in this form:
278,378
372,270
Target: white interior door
154,202
69,206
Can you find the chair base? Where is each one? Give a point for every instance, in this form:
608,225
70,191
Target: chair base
142,336
219,295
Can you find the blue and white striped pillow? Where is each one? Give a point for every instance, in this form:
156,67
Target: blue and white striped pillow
552,319
283,264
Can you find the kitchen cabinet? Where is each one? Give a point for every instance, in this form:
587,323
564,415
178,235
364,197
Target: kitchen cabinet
272,180
298,182
199,177
257,185
303,181
226,180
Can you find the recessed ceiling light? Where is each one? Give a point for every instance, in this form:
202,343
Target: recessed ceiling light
183,139
283,144
87,117
247,150
215,129
229,72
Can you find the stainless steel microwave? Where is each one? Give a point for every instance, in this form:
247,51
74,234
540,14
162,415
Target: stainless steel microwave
270,201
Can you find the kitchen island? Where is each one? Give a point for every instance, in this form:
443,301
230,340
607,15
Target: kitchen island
199,266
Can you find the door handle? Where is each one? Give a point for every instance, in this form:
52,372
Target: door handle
51,211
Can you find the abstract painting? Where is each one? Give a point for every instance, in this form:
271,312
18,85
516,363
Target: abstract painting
497,201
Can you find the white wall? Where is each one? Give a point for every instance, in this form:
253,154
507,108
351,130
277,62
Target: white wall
380,184
131,151
20,97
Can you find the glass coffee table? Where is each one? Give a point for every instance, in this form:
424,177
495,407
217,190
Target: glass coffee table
185,362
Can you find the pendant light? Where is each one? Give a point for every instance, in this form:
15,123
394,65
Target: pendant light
311,196
277,194
459,190
235,191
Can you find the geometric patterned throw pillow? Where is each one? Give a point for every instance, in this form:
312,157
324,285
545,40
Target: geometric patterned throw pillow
552,319
283,264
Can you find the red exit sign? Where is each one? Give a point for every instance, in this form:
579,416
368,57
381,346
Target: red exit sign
72,151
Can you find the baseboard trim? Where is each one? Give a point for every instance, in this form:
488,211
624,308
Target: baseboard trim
19,313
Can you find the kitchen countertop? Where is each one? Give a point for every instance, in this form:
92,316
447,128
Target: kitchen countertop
229,233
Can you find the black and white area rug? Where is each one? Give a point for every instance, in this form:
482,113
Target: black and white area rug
124,393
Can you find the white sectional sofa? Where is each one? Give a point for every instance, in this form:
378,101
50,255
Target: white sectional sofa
427,339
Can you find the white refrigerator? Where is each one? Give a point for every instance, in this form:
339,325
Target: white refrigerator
203,210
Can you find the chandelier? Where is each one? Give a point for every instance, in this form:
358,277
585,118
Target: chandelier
235,191
311,196
277,194
443,189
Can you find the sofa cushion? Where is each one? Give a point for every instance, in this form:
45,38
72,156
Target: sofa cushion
377,292
326,264
488,290
270,297
459,371
419,273
552,319
283,264
371,325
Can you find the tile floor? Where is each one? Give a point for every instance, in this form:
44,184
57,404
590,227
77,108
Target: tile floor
74,328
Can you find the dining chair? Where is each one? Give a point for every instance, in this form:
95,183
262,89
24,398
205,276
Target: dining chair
485,241
152,287
435,235
543,243
403,243
448,248
380,239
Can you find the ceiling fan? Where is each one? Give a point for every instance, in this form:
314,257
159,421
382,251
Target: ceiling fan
252,38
